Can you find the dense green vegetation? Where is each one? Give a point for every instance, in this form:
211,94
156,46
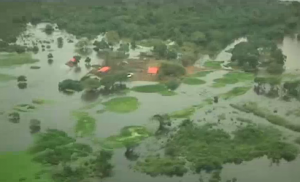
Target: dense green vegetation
85,125
78,161
207,148
193,81
18,166
184,113
232,78
252,107
213,64
122,104
128,136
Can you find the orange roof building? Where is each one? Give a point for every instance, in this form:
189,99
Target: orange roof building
104,69
153,70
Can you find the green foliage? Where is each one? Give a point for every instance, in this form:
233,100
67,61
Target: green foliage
60,42
155,166
154,88
130,135
172,84
160,50
122,104
69,84
171,69
246,55
42,101
54,147
101,45
19,165
237,91
275,68
202,73
198,37
83,46
291,89
213,64
208,149
49,29
252,107
91,83
85,125
124,47
5,77
274,80
112,37
7,60
193,81
232,78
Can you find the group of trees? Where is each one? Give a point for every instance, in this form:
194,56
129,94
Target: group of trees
251,55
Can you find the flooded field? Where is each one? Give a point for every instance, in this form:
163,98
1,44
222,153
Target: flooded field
56,110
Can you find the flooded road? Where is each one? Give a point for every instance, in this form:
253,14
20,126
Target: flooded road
43,84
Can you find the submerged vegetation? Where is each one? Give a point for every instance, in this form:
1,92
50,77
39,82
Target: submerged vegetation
193,81
237,91
7,60
128,136
232,78
5,77
122,104
252,107
206,148
77,161
85,125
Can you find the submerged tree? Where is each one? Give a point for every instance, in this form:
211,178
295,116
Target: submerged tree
83,46
164,123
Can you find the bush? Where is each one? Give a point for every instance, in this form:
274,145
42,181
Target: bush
69,84
275,68
49,29
171,69
173,84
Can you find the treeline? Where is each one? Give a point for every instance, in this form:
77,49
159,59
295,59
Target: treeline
203,26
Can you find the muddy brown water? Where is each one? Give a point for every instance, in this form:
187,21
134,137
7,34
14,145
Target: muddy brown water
43,83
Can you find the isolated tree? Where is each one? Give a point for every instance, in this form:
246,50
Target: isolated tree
91,84
112,37
160,49
83,46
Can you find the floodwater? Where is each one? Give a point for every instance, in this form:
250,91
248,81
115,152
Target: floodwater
43,84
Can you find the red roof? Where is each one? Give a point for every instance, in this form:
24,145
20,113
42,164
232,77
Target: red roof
73,60
104,69
153,70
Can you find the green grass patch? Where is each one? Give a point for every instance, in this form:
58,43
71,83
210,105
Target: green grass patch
202,73
232,78
237,91
129,135
122,104
185,113
16,59
155,166
252,107
213,64
85,125
6,78
193,81
150,88
18,166
244,120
